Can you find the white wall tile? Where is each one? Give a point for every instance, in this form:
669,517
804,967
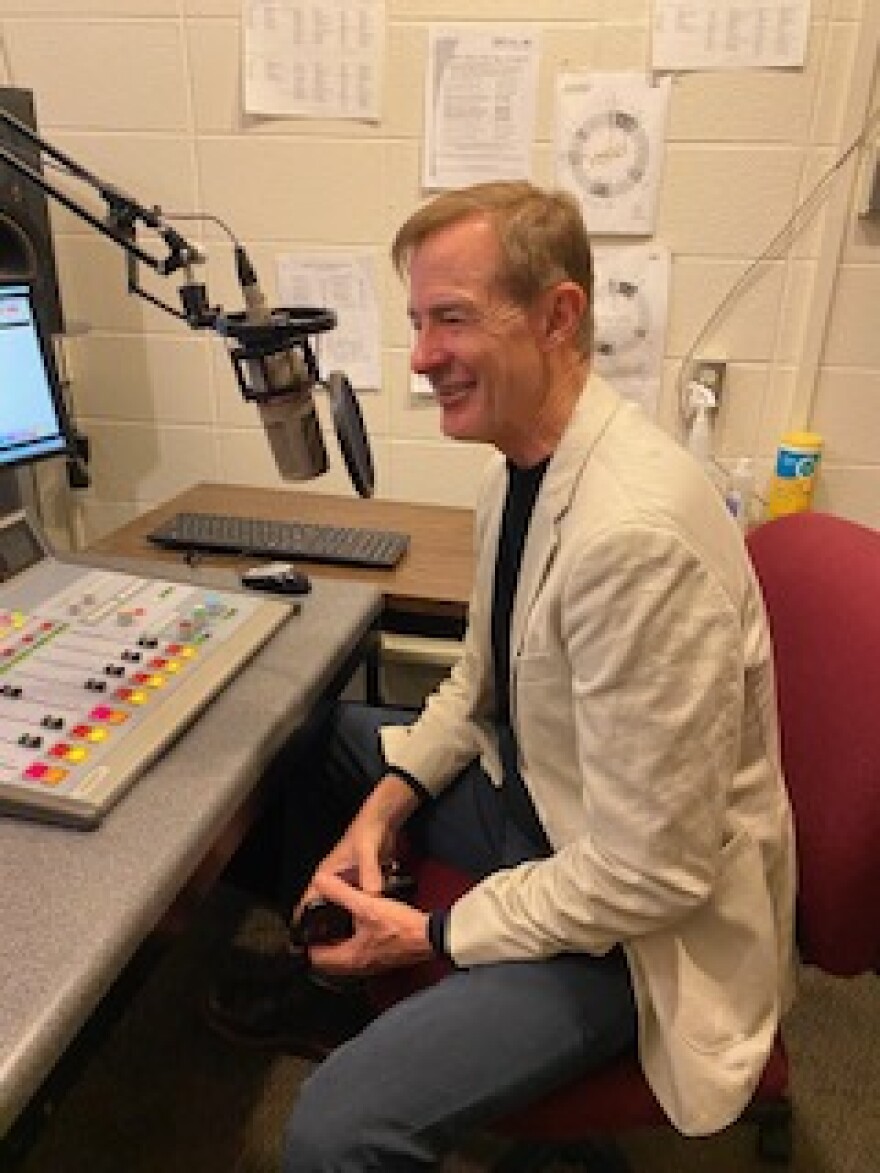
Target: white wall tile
214,56
96,519
747,329
152,169
794,311
839,56
846,9
853,335
738,424
101,75
562,50
296,189
84,8
847,414
726,201
403,161
443,472
160,380
773,105
850,491
779,394
212,7
49,482
147,464
624,46
92,275
817,184
631,10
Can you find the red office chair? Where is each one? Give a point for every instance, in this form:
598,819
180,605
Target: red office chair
821,581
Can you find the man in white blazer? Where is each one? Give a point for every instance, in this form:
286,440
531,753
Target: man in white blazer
604,757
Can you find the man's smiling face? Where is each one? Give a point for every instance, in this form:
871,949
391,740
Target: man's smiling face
480,352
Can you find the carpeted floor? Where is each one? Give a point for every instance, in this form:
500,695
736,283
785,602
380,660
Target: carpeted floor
161,1094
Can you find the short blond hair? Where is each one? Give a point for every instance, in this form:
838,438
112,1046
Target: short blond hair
541,235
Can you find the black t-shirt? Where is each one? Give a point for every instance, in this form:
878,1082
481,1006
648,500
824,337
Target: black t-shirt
522,492
523,485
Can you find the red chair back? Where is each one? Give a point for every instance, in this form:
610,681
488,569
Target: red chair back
821,581
820,576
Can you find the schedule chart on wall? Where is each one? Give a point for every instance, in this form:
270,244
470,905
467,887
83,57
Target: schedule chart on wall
101,670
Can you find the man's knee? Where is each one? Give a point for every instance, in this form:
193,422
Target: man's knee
328,1133
310,1147
313,1141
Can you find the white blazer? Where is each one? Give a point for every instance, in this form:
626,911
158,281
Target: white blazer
643,706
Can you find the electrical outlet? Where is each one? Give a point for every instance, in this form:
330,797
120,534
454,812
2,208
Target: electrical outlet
712,373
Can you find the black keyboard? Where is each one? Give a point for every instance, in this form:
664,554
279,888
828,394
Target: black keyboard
292,540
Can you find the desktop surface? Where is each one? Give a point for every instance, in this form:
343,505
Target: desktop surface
428,590
77,905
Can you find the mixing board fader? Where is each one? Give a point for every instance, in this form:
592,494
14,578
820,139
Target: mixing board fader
100,670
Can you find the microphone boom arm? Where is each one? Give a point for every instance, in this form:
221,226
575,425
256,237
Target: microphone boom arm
123,212
254,345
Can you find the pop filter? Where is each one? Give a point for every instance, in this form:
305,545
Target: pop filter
351,433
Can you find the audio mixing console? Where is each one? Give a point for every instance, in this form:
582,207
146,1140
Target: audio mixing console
100,670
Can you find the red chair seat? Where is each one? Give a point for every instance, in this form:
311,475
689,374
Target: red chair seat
616,1099
613,1099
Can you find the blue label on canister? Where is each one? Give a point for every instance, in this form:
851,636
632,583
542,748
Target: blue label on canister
791,464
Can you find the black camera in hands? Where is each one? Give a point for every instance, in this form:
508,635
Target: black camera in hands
323,922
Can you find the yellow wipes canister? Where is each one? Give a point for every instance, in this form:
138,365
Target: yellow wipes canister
797,462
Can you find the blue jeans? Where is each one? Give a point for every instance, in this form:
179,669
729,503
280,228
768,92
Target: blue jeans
477,1044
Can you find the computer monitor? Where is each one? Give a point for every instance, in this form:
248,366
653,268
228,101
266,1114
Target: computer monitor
32,416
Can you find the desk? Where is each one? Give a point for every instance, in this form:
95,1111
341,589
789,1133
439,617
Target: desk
75,906
427,593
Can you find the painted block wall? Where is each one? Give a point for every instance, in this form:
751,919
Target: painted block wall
147,93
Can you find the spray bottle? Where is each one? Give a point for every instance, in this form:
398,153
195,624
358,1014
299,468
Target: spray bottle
699,442
739,490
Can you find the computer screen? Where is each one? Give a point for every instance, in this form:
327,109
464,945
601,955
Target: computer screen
32,420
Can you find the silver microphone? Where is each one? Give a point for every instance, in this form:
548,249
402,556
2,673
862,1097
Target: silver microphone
281,384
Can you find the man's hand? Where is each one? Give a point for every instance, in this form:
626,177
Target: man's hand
388,933
370,838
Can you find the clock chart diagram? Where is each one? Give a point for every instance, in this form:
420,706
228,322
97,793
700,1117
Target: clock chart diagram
631,293
609,147
624,317
609,154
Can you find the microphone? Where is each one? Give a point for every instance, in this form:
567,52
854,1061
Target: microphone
276,369
280,382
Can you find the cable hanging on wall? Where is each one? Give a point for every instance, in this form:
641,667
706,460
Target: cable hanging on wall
794,225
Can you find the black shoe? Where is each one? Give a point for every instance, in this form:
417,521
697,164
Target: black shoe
274,1001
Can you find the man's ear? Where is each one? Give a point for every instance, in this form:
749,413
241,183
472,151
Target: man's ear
565,306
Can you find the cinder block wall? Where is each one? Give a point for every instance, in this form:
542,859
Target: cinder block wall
147,93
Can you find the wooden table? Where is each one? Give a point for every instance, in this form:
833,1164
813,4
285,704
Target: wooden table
426,593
